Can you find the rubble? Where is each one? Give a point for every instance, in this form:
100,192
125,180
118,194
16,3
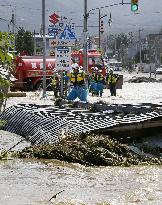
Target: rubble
90,150
136,79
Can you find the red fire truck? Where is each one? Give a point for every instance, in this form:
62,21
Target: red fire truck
29,69
94,58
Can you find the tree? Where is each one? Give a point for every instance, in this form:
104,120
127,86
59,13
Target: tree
121,40
24,41
143,56
116,41
6,62
118,44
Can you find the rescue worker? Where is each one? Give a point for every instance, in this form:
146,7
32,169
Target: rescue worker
81,68
77,79
103,67
100,82
55,84
93,79
111,80
136,68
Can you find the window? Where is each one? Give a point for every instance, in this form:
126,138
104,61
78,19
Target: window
94,60
76,59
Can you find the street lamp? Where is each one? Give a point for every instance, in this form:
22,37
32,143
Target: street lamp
86,15
100,26
100,17
101,31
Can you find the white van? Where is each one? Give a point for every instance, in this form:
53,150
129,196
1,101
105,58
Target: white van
159,70
116,65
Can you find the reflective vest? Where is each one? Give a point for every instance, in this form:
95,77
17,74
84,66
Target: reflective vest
93,76
55,81
100,78
112,78
77,78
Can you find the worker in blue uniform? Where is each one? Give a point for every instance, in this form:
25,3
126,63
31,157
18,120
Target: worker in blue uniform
100,82
92,80
77,79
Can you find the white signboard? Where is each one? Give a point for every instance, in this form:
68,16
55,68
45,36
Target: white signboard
61,42
63,58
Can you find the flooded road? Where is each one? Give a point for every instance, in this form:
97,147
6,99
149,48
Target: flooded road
34,182
28,182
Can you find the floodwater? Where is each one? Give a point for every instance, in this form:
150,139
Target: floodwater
31,182
35,182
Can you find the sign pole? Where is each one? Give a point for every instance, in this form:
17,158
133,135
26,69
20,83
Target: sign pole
63,63
62,84
85,37
99,27
62,45
44,49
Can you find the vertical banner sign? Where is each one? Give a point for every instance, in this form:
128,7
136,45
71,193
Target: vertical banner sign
63,58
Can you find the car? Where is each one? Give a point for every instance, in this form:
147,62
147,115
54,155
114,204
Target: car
159,70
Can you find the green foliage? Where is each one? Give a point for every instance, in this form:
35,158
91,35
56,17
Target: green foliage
24,41
4,82
120,40
6,44
2,123
100,51
4,155
6,60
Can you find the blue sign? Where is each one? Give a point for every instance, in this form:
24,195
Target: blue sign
52,31
67,33
63,49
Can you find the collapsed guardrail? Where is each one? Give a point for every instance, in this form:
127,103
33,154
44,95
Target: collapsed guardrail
46,124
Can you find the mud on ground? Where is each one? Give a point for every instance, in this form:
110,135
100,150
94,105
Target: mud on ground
97,150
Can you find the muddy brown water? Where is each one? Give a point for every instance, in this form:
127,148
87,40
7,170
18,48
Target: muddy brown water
30,182
34,182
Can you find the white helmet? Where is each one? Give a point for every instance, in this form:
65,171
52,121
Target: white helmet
111,69
75,65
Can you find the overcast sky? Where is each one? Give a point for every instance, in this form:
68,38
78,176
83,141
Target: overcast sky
28,14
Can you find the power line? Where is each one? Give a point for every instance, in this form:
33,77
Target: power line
4,19
22,7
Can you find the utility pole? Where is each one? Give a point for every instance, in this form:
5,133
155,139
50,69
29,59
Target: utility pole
8,26
13,26
85,29
99,34
100,26
44,49
13,22
115,46
34,44
131,44
140,48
